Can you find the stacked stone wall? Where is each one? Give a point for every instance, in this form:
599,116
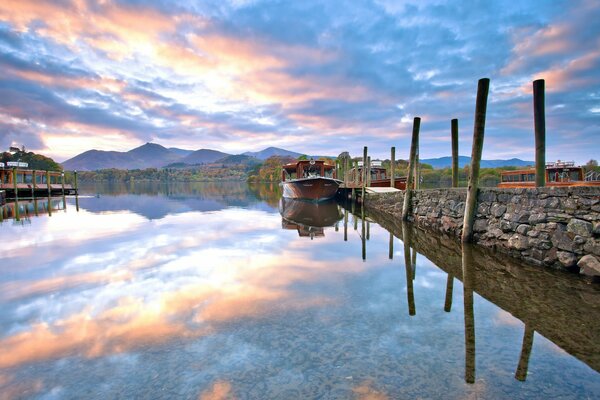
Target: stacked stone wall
552,227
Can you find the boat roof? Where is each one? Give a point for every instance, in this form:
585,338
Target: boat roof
295,164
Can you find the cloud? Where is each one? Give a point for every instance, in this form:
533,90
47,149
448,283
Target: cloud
245,75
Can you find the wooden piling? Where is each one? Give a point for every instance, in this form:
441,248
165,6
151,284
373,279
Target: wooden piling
454,132
413,150
449,290
410,294
364,175
33,184
368,172
478,134
417,184
521,373
48,184
15,186
392,165
63,183
469,316
539,117
75,181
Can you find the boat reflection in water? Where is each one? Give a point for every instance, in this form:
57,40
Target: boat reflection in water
308,217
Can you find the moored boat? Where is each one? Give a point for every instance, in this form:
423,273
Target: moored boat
378,176
558,174
309,180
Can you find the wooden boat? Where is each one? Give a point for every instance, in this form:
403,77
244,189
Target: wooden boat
558,174
378,178
307,217
309,180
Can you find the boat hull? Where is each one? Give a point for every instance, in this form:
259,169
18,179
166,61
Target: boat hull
313,189
523,185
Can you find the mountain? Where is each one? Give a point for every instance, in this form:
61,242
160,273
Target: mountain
181,152
203,156
238,159
271,151
146,156
446,162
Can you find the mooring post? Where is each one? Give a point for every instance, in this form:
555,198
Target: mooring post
521,373
478,133
33,183
391,247
369,171
75,182
392,162
345,225
417,184
539,117
346,171
364,175
48,184
468,283
454,132
410,294
449,290
411,160
63,183
15,187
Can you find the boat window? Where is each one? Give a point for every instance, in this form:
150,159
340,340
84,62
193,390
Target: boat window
574,175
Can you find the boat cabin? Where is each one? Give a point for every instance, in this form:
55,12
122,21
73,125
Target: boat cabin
560,173
308,169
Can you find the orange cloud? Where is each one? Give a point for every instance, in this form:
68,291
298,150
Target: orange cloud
220,390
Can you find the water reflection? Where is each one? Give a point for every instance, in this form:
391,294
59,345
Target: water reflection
309,218
208,296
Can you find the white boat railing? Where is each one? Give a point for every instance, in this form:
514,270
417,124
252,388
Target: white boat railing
592,176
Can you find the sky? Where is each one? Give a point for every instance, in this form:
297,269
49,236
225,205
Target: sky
316,77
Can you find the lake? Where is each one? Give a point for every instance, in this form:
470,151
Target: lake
205,291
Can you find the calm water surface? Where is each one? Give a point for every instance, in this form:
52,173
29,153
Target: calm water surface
206,292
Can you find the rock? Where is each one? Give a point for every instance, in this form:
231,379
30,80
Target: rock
562,240
580,227
520,217
533,233
537,218
596,230
498,210
495,232
567,259
480,225
518,242
589,265
592,246
523,229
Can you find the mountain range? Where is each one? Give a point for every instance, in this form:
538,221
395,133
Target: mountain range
152,155
446,162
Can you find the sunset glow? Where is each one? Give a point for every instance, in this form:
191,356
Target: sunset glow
312,77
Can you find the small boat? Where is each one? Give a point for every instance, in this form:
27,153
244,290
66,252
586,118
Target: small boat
558,174
309,180
307,217
378,178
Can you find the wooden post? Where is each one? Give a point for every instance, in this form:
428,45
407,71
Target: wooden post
15,187
33,184
364,174
478,134
48,184
363,230
368,171
417,184
454,130
75,181
346,178
391,247
410,294
63,183
521,373
413,151
392,165
449,290
345,225
468,283
539,117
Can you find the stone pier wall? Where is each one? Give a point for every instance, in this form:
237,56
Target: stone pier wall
552,227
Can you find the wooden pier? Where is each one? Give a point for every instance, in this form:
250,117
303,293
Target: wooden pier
26,183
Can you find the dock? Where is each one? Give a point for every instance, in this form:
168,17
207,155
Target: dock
18,182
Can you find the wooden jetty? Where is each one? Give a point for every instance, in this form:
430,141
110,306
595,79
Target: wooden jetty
18,182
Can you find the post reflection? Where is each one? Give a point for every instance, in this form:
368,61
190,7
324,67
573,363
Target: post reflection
468,271
521,373
407,236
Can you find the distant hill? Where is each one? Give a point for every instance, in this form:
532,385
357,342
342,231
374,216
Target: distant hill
446,162
271,151
203,156
148,155
152,155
